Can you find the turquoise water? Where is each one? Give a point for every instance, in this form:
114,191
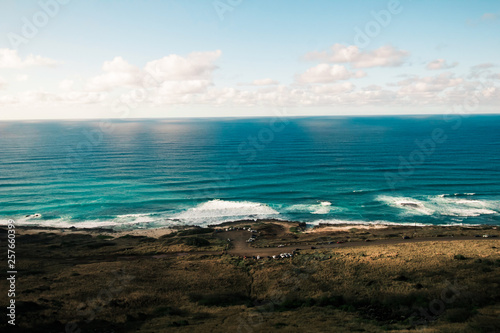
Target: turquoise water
153,173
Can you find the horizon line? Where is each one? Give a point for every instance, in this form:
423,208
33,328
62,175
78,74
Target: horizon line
257,117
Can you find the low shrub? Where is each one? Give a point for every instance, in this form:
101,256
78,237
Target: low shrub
168,310
458,315
224,299
99,245
196,231
179,323
104,237
196,241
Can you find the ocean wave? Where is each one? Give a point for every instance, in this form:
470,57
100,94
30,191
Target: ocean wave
361,222
320,208
437,209
223,211
411,206
456,195
388,223
210,212
121,221
447,205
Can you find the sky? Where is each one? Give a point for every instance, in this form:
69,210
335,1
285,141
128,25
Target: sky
70,59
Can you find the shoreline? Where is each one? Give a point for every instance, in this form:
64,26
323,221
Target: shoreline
306,228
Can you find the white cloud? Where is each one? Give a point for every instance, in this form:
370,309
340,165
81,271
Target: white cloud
21,77
183,87
260,83
196,69
489,17
10,59
483,66
8,100
40,97
3,83
265,82
440,64
188,80
196,66
486,17
324,73
118,73
66,85
333,88
84,97
429,86
385,56
479,70
440,90
495,76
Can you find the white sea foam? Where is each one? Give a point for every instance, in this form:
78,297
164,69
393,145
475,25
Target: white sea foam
128,220
382,222
33,216
463,207
456,195
443,205
411,206
323,207
222,211
361,222
457,207
211,212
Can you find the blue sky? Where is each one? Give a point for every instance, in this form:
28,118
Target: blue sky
89,59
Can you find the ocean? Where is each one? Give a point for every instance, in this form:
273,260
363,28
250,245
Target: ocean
127,174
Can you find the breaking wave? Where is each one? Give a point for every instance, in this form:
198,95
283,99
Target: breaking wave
449,205
320,208
218,211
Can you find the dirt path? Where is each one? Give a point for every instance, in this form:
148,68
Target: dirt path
241,248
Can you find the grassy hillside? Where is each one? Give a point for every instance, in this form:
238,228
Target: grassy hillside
96,284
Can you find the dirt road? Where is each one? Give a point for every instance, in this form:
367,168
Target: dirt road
241,248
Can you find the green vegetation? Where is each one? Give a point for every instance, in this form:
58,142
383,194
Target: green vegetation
220,299
103,237
195,231
196,241
459,315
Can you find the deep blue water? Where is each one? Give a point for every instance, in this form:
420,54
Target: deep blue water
150,173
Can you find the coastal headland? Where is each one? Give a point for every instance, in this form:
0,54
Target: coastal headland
256,276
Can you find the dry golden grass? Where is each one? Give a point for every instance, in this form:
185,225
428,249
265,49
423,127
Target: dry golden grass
373,289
